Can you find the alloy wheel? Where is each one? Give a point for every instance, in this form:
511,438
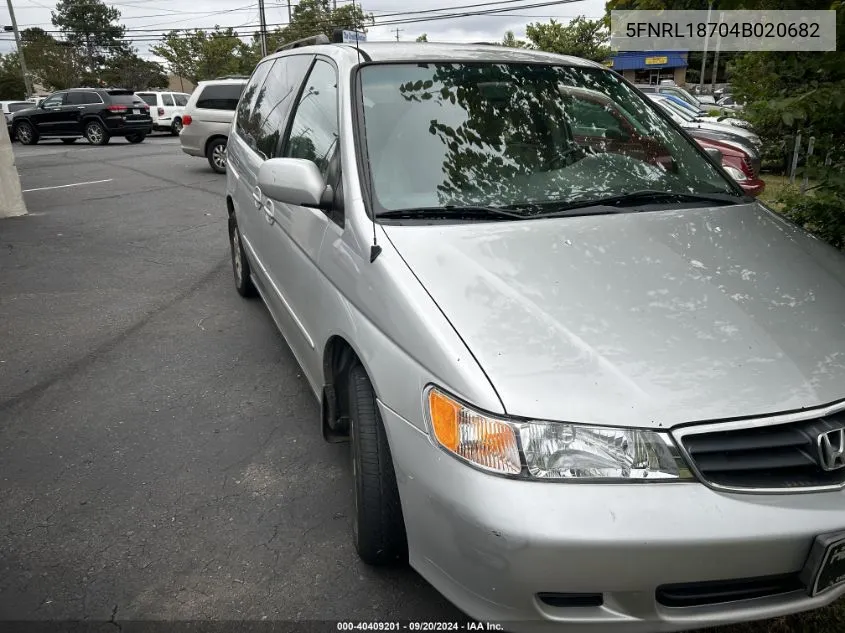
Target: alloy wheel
94,134
24,134
218,155
236,256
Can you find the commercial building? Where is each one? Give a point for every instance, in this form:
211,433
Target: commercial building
650,67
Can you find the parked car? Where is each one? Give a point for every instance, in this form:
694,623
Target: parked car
742,165
9,108
587,383
207,119
97,114
674,91
706,100
684,118
166,108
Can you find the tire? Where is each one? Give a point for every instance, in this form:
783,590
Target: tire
68,141
176,127
136,138
240,264
216,155
96,134
378,525
25,133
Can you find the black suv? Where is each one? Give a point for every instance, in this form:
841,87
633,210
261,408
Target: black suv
94,113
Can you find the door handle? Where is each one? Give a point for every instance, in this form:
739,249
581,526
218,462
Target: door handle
256,197
268,212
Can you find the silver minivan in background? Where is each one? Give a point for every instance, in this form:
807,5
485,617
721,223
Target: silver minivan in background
587,384
207,118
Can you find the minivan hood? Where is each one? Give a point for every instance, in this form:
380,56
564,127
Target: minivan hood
642,319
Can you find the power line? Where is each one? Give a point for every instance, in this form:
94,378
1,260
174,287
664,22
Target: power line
140,34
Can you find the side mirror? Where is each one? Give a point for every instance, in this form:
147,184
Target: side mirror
714,153
295,181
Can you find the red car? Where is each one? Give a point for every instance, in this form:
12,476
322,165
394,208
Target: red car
739,165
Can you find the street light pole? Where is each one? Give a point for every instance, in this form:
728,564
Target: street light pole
26,80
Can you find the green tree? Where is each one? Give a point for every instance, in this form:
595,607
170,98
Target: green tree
581,38
11,79
54,64
127,70
313,17
422,38
93,26
198,55
510,41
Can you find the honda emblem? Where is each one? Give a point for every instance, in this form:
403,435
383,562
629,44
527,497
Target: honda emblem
831,445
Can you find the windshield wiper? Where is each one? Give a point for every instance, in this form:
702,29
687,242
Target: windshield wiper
610,204
452,212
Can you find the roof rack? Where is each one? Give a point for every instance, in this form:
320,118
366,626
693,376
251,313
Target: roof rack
314,40
231,77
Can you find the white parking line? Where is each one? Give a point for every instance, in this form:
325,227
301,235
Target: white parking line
75,184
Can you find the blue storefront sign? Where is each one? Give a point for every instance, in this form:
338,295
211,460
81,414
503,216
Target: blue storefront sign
647,60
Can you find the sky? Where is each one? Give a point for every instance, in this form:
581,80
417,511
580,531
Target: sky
146,20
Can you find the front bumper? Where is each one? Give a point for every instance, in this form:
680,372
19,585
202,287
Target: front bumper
492,544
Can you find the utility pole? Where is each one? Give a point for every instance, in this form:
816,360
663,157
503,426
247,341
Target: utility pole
262,19
289,13
716,58
397,29
704,55
26,80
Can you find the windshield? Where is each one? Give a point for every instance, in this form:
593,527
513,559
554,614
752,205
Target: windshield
686,96
674,108
518,136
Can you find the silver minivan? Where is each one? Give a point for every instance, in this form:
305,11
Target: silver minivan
586,383
207,118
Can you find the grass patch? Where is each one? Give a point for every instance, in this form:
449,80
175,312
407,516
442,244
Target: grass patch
777,185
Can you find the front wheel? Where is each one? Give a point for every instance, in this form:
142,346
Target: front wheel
176,127
95,133
377,523
136,138
25,133
216,154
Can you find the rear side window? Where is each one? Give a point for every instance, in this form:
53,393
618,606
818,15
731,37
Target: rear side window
149,98
125,98
167,99
83,98
276,100
220,97
180,99
247,123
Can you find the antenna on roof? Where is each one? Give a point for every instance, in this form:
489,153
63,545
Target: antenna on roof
375,249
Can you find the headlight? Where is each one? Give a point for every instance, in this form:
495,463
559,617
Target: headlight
552,450
735,173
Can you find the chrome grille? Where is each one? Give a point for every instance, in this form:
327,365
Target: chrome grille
778,456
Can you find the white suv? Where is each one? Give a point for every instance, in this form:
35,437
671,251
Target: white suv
166,109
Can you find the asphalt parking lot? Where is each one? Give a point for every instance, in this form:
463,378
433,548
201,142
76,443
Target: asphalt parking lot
160,453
